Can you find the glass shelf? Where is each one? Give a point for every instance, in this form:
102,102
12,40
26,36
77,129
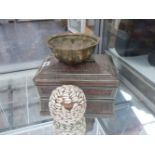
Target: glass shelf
20,111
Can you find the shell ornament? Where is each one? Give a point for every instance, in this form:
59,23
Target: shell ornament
67,104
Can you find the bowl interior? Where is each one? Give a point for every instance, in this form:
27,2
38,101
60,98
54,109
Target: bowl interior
72,42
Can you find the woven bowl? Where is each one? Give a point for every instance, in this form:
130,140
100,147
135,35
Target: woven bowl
73,48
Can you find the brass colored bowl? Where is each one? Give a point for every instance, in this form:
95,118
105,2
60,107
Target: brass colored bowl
73,48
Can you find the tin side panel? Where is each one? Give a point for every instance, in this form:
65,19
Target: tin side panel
90,92
95,108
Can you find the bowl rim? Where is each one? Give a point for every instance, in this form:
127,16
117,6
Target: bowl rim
95,38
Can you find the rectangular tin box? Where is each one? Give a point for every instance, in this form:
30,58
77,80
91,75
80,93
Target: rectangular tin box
97,77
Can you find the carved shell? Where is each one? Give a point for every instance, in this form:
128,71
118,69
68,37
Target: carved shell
67,104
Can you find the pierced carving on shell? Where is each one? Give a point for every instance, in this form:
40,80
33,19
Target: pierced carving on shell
67,104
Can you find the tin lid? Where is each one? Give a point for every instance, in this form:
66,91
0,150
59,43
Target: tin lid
98,68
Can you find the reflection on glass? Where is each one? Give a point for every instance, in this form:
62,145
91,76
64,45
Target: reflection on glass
150,128
143,116
133,37
77,128
127,96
